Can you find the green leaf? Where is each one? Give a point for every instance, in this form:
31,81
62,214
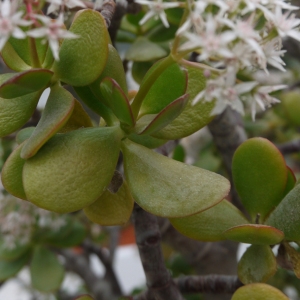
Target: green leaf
144,50
258,291
83,59
117,101
9,269
256,234
169,86
209,225
11,174
8,254
146,140
111,208
193,117
22,48
291,106
58,110
260,176
84,297
258,264
84,158
179,153
170,188
286,216
46,271
24,134
25,83
290,183
139,70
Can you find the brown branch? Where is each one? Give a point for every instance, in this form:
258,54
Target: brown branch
159,281
107,11
289,147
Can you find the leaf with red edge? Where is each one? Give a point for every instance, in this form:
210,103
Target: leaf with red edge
291,181
260,176
57,111
254,234
117,101
25,83
167,115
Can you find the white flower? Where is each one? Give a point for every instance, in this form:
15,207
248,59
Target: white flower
273,52
53,32
9,22
55,5
157,10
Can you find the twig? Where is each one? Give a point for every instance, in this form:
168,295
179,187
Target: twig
159,281
107,11
289,147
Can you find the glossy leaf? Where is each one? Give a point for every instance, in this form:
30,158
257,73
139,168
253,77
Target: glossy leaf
169,188
12,254
46,272
9,269
146,140
83,59
258,264
254,234
24,134
11,174
193,117
58,110
286,216
260,176
51,178
164,91
111,209
209,225
258,291
25,83
144,50
167,115
117,101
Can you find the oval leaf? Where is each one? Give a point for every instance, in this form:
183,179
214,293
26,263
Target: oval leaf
46,271
11,174
24,134
72,170
258,291
58,110
83,59
25,83
258,264
291,105
254,234
146,140
12,254
260,176
290,183
170,188
209,225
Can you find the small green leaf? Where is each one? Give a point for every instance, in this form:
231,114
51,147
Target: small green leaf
209,225
84,297
169,86
179,153
24,134
144,50
291,106
58,110
25,83
111,208
84,158
260,176
117,101
170,188
139,70
9,269
146,140
167,115
8,254
258,264
11,174
83,59
256,234
46,271
258,291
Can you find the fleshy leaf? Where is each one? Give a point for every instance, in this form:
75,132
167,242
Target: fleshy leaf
260,176
139,70
209,225
84,158
11,174
146,140
8,254
258,264
193,117
290,183
291,105
58,110
286,216
167,115
294,257
170,188
117,101
144,50
84,297
24,134
9,269
256,234
258,291
83,59
25,83
169,86
111,208
46,271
